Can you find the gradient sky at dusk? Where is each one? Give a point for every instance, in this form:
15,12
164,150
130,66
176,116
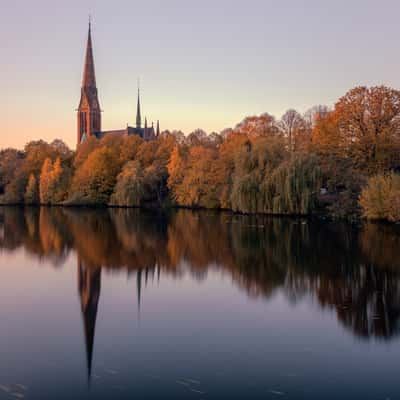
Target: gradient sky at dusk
202,64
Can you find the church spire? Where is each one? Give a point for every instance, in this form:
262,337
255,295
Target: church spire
158,128
89,77
138,114
89,112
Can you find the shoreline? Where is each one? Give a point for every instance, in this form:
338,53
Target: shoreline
319,216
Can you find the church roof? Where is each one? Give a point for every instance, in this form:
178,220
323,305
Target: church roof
144,133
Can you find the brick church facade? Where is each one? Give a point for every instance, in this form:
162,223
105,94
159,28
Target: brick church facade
89,111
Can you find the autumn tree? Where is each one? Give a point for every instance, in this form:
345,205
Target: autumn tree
57,186
130,187
32,192
34,155
255,126
94,180
293,127
199,181
380,199
176,172
313,114
225,165
369,122
45,181
10,161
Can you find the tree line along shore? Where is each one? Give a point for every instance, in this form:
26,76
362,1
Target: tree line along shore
344,162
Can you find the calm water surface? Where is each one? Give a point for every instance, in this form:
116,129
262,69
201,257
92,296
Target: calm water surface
124,304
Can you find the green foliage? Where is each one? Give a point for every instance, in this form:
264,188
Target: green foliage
293,187
255,162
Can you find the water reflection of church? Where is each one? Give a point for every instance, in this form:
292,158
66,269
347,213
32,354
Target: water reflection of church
89,287
353,272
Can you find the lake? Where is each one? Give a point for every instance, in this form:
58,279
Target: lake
123,304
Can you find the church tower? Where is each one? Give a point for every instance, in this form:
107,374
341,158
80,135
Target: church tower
89,112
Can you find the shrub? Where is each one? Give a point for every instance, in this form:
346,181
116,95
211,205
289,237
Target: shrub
380,199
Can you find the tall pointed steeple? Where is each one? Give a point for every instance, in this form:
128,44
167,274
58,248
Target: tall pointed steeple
138,113
89,113
158,128
89,76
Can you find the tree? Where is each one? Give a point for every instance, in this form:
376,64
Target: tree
94,180
31,193
34,155
313,114
254,163
57,187
130,187
225,165
380,199
254,126
293,187
176,172
293,127
45,181
369,121
196,138
10,161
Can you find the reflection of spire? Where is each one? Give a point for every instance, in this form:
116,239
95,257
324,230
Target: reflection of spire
139,288
89,283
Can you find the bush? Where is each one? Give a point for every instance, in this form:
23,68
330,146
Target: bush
380,199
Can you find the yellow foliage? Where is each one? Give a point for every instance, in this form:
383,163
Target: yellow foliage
380,199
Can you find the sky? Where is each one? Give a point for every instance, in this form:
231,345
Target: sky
202,64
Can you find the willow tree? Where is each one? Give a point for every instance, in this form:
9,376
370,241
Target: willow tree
293,187
129,189
256,162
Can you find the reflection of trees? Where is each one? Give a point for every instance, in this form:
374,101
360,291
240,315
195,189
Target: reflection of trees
381,244
367,300
356,272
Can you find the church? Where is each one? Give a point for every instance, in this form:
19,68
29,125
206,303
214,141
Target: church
89,111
